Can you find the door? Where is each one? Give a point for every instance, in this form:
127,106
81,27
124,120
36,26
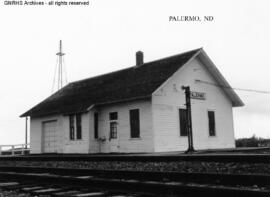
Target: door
49,137
114,144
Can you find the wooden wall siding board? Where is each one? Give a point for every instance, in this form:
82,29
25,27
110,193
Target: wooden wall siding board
144,144
166,120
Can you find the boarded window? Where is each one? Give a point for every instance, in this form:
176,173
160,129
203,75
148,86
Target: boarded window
78,127
183,122
113,130
96,124
134,116
211,123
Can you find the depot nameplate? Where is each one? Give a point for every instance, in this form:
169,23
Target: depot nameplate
197,95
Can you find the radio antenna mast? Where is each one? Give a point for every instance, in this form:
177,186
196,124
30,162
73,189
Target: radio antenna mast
59,69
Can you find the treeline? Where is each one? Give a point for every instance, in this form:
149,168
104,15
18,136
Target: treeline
252,142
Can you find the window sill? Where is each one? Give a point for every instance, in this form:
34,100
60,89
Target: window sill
113,139
135,138
75,140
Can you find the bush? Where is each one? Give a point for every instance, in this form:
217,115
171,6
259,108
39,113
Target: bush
252,142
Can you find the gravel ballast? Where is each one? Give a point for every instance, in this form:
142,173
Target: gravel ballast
4,193
178,166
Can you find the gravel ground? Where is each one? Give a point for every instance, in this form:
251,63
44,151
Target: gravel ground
12,194
5,193
181,166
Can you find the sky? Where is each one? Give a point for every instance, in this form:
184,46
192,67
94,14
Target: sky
104,36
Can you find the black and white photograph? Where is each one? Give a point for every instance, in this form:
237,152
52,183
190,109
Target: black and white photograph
134,98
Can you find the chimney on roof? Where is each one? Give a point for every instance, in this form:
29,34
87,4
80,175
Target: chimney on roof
139,58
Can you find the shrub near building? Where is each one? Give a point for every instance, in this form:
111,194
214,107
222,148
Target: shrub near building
252,142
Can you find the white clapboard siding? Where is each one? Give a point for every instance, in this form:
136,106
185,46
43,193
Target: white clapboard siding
76,146
144,144
170,97
90,145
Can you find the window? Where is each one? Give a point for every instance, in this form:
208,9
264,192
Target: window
71,127
113,116
75,127
183,122
78,127
113,130
96,124
134,118
113,125
211,123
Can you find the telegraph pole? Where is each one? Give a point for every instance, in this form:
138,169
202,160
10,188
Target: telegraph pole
189,120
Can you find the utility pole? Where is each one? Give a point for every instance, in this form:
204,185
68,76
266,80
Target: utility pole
189,120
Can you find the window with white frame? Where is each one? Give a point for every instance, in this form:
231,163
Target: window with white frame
75,127
134,120
211,123
96,125
183,122
113,116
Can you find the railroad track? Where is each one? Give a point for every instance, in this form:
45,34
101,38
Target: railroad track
208,157
61,181
46,189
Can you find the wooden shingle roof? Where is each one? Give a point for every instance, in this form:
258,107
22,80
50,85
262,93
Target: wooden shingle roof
128,84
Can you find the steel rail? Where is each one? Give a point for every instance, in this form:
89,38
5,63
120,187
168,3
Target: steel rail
213,178
248,158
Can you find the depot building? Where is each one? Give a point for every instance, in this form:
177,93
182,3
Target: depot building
138,109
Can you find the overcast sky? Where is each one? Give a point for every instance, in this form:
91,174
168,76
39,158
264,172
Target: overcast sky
105,35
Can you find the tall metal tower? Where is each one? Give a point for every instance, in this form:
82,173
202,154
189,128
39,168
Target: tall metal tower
60,72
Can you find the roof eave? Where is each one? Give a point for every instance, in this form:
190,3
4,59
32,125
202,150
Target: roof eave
164,83
28,113
235,99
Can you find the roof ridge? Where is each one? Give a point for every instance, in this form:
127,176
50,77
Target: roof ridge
172,56
144,64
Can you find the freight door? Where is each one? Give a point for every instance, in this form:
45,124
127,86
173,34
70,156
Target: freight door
49,136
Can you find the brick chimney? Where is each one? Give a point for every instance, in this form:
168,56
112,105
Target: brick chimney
139,58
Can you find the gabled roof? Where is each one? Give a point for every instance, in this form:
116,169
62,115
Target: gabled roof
127,84
220,80
133,83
